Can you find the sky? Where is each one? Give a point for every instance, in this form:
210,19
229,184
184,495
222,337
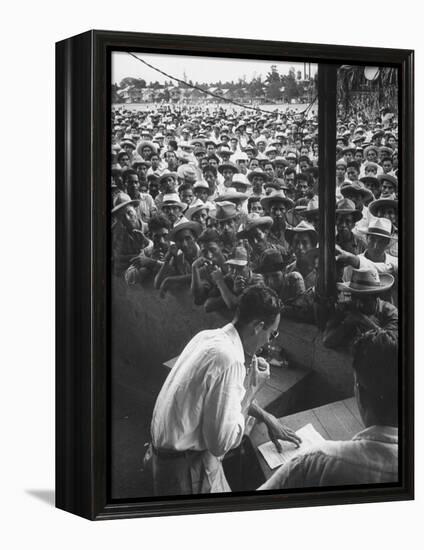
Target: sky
201,69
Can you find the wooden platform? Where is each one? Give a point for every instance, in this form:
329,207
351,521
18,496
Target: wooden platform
336,421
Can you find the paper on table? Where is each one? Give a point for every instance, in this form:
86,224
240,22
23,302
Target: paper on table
310,437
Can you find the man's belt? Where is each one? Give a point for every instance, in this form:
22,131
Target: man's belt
169,453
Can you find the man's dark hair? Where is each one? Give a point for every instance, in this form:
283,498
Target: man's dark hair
209,236
289,171
184,186
127,173
313,171
258,303
158,222
303,177
250,200
353,164
387,158
376,364
210,168
304,158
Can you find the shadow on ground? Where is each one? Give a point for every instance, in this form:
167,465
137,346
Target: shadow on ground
45,495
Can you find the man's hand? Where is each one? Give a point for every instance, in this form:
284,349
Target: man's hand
172,251
277,431
239,284
200,262
217,275
258,279
359,320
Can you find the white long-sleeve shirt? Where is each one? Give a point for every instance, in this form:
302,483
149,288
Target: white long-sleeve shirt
199,406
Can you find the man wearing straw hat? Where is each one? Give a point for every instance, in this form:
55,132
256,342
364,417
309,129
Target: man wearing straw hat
176,270
127,236
276,206
366,311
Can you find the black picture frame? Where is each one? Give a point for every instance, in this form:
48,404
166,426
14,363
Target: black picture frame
83,286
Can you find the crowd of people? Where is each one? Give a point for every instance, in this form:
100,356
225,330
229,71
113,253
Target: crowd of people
218,200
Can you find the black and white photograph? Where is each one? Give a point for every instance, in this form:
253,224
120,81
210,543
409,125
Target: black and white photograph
254,299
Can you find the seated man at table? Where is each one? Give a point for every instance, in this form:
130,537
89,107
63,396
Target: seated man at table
372,455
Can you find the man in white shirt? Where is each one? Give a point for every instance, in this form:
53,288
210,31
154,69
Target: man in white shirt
200,413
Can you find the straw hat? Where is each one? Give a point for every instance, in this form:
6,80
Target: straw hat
357,188
232,196
196,206
367,281
240,179
224,211
311,208
380,227
374,206
229,166
239,258
276,196
252,222
302,227
184,223
122,202
173,199
258,172
146,143
346,207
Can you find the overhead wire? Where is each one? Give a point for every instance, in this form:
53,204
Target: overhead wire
212,94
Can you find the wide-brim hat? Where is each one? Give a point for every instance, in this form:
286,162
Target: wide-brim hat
127,142
357,188
380,227
232,196
258,172
367,281
146,143
173,199
165,175
229,166
196,206
277,196
253,221
123,204
195,227
302,227
240,179
280,160
224,211
370,148
346,207
312,209
201,184
388,177
371,180
240,257
374,206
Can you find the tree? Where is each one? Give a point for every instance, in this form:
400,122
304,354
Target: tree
138,83
273,83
